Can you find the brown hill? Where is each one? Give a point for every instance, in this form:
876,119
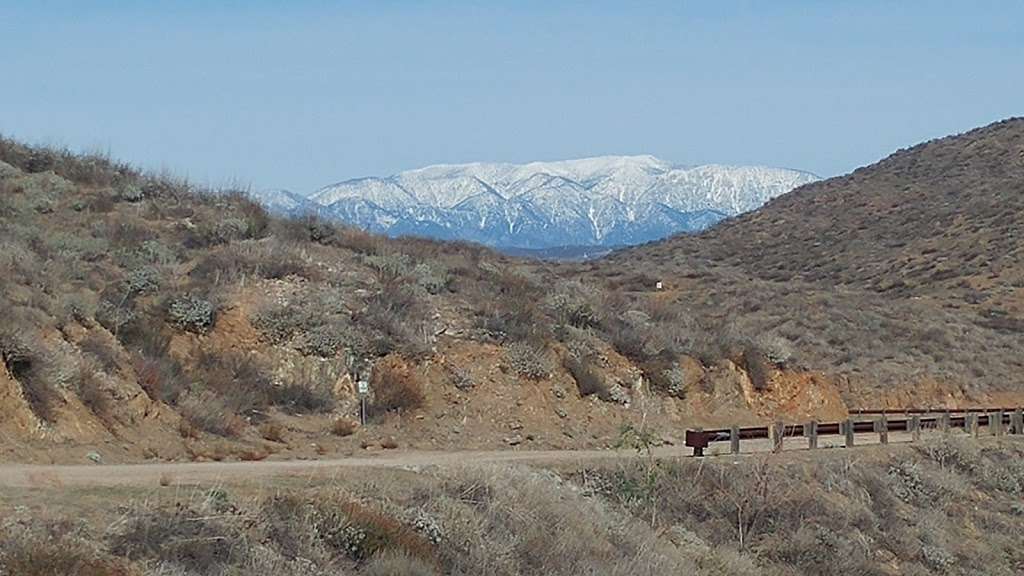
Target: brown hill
905,271
145,317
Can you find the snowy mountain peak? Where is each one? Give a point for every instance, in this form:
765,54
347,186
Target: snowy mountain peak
600,201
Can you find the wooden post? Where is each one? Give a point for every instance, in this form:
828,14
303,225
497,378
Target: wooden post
778,432
811,432
734,439
1017,421
971,424
995,422
915,428
944,422
882,425
848,430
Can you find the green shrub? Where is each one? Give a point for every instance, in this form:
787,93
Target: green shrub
71,246
528,360
572,303
130,192
142,280
389,267
114,314
192,313
317,323
327,339
432,277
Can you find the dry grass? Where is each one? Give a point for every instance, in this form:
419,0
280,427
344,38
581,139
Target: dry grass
941,507
343,427
396,387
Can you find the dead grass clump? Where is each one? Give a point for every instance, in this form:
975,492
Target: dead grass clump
253,454
395,563
94,395
36,368
588,381
47,554
160,375
307,389
343,427
98,347
758,370
191,539
207,412
362,532
509,307
396,386
273,431
241,382
265,259
396,319
546,527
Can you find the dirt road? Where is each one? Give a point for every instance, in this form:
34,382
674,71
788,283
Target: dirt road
26,475
149,474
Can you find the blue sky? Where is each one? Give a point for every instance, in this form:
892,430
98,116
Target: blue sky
300,94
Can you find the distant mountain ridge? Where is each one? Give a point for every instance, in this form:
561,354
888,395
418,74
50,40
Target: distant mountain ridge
603,201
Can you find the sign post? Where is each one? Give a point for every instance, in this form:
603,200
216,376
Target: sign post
363,389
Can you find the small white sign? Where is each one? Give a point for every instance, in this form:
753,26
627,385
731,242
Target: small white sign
363,387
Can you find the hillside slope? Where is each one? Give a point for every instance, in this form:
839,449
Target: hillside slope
908,270
146,318
938,220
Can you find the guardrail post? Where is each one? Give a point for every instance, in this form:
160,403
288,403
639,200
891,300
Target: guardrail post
778,432
698,447
995,422
915,428
944,420
882,426
848,431
811,432
1017,421
734,439
971,423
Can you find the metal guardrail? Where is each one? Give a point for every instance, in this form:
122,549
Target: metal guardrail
997,420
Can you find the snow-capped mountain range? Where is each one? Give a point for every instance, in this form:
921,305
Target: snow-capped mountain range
603,201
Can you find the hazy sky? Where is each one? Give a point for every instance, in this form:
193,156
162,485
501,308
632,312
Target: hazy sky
300,94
